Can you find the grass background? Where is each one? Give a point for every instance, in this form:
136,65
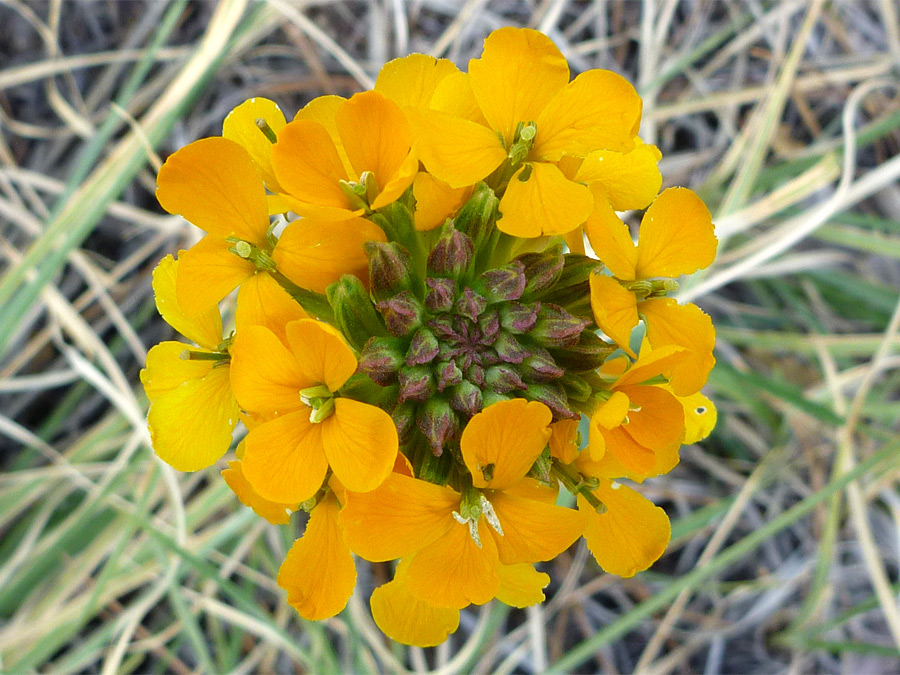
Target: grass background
784,116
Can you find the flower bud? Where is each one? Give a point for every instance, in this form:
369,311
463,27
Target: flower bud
451,254
422,349
466,398
438,423
489,325
508,348
476,217
555,327
390,268
475,374
554,397
416,384
541,467
518,318
542,269
448,374
439,294
470,304
354,313
491,397
576,387
402,313
404,417
587,354
381,358
539,366
504,283
503,379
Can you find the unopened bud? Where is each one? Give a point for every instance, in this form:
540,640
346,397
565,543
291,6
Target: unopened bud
402,313
576,387
439,294
451,254
438,423
470,304
554,397
503,379
381,359
541,467
354,313
504,283
466,398
539,366
477,216
542,269
589,353
518,318
489,325
448,374
555,327
390,268
508,348
422,349
416,384
475,374
404,417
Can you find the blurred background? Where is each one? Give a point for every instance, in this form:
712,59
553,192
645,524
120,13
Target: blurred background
784,116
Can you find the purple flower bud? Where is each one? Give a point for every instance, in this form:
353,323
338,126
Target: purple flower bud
475,374
518,318
466,398
503,379
577,389
448,374
489,325
439,294
588,354
555,327
470,304
554,397
390,268
402,313
404,417
381,358
354,313
542,269
451,254
539,366
438,423
416,384
422,349
504,283
508,348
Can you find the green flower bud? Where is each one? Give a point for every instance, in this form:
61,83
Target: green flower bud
354,313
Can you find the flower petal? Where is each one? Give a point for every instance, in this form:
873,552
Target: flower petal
669,323
454,96
213,183
699,417
676,236
518,74
321,353
656,419
597,110
262,301
631,180
360,442
207,272
637,458
398,518
609,237
275,513
318,572
406,619
521,585
453,571
240,126
501,443
562,440
615,310
323,109
398,182
533,530
283,458
436,201
545,203
630,536
411,80
264,374
314,254
308,166
191,426
166,370
611,413
205,329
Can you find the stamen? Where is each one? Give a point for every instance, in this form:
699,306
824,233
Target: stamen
487,510
268,132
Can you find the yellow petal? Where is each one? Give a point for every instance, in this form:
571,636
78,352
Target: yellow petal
214,185
166,370
204,329
518,74
669,323
615,310
240,126
545,203
283,458
321,353
314,254
406,619
398,518
563,437
656,419
501,443
411,80
264,374
453,571
676,236
436,201
308,166
457,151
360,443
262,301
533,530
631,180
323,109
611,413
651,363
275,513
609,237
191,426
630,536
318,572
454,96
699,417
521,585
597,110
278,204
207,272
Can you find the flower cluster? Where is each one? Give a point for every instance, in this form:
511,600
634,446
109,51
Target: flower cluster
423,352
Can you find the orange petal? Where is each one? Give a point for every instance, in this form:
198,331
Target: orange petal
205,329
501,443
533,530
214,184
611,413
308,166
191,426
676,236
436,201
321,353
652,363
398,182
454,96
411,80
669,323
406,619
637,458
518,74
546,203
657,419
166,370
563,437
521,585
323,109
615,310
275,513
283,458
609,237
699,417
207,272
360,443
264,374
262,301
455,150
240,126
533,489
314,254
597,110
630,536
453,571
318,572
631,180
398,518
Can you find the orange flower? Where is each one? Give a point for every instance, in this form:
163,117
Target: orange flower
275,513
308,428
